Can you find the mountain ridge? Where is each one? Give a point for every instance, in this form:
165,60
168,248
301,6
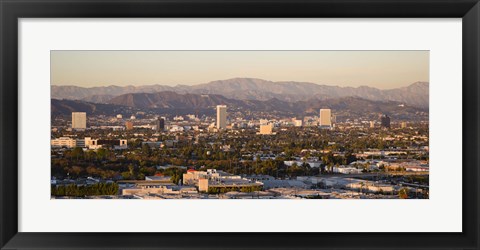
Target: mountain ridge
415,94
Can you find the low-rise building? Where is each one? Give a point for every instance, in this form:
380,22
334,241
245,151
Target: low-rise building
268,184
101,143
63,142
347,170
312,164
214,180
266,129
158,178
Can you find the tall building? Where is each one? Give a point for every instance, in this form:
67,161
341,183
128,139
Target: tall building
221,116
403,125
160,124
385,121
325,117
79,120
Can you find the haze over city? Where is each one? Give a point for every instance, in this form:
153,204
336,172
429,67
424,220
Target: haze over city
379,69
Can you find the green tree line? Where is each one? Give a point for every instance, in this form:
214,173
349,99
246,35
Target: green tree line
87,190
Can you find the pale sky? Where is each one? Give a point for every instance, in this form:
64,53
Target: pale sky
380,69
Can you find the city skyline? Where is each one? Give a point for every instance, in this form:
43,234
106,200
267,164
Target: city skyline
220,158
379,69
240,138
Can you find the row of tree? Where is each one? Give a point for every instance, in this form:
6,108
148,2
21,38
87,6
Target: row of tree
85,190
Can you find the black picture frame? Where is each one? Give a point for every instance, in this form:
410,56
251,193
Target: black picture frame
11,11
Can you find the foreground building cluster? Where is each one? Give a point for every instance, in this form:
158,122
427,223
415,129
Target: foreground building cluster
219,181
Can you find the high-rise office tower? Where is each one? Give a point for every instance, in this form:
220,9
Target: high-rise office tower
79,120
160,124
325,117
385,121
221,116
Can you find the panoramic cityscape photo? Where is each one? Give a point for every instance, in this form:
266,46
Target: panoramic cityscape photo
239,125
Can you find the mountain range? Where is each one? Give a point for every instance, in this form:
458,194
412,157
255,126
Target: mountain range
169,102
248,89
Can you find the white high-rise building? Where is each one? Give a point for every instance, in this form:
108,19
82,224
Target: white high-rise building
325,117
79,120
221,116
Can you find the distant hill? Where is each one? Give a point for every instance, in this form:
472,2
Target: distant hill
416,94
169,102
98,98
66,107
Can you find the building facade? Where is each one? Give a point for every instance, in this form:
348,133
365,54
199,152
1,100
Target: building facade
63,142
218,179
160,124
325,117
385,121
266,129
79,120
221,116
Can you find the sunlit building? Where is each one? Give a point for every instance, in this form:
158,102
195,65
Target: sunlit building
79,120
62,142
297,123
266,129
217,179
221,116
325,117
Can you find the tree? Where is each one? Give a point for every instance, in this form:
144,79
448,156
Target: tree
81,191
77,153
101,153
76,171
131,169
362,184
176,178
146,150
403,193
126,175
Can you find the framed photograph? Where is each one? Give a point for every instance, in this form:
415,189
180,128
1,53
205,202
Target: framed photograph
239,124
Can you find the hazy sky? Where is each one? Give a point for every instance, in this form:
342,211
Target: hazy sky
380,69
